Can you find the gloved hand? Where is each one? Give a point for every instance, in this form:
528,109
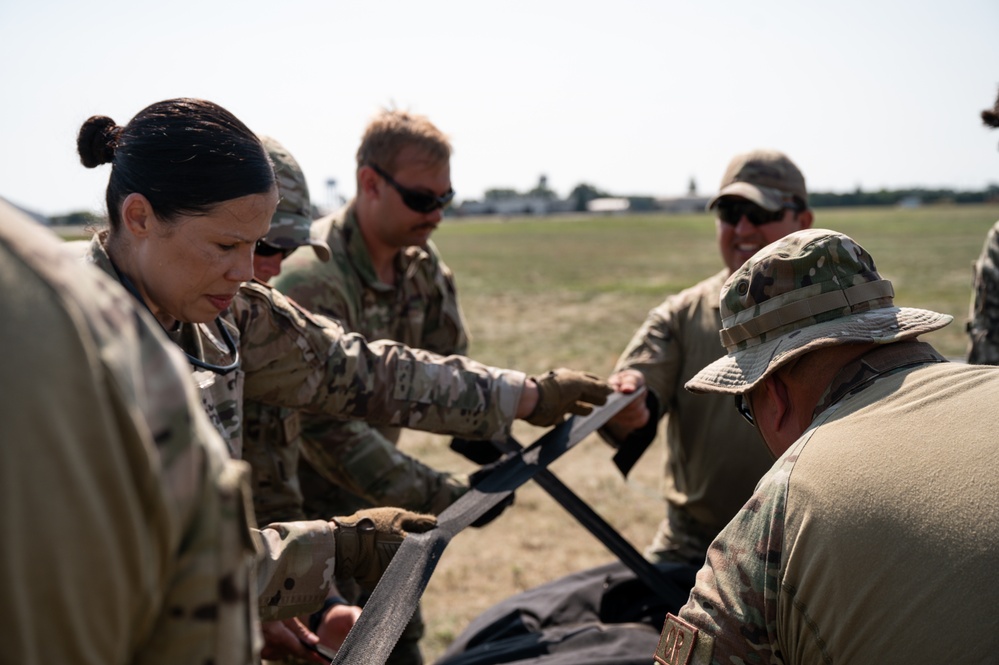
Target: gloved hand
564,391
367,540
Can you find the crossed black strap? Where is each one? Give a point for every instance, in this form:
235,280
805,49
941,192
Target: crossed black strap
394,599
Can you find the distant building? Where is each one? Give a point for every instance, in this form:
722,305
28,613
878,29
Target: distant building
683,204
608,205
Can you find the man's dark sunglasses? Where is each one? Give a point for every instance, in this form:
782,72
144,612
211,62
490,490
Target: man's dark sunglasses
742,406
266,249
421,202
731,212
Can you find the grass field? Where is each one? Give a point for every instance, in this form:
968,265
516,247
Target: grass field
542,293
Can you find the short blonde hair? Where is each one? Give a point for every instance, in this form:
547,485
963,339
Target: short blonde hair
390,131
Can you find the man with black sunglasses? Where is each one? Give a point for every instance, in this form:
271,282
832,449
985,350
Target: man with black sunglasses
385,280
713,459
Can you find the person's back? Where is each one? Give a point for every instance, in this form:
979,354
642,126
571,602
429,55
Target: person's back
880,527
874,537
891,525
126,536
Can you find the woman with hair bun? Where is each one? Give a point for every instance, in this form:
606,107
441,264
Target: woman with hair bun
191,192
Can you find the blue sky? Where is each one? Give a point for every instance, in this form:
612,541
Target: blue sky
634,97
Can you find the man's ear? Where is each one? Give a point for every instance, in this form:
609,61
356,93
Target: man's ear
367,181
137,215
805,219
774,414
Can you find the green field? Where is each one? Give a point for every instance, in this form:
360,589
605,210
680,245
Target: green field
540,293
548,273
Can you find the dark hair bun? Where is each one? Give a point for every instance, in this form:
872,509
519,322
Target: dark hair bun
97,140
991,118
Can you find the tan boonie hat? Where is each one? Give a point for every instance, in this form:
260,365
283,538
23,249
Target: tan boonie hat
810,289
291,225
765,177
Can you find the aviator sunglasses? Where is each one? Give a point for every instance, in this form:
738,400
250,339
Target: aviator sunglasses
731,212
421,202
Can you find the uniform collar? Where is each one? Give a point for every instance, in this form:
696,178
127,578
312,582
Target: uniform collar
882,361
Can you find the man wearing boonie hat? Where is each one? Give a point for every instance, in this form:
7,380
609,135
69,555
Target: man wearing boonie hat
875,536
712,459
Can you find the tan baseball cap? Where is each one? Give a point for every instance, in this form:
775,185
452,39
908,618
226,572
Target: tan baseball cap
810,289
768,178
291,225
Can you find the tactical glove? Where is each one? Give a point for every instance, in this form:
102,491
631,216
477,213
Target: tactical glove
367,540
564,391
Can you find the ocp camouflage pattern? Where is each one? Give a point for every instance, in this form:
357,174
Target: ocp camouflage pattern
842,264
153,557
352,464
983,328
292,358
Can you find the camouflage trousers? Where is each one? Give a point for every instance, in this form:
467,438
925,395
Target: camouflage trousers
680,539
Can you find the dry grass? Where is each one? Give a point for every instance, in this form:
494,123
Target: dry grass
570,292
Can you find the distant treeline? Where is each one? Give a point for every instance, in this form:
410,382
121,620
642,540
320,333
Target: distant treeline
582,194
893,197
77,219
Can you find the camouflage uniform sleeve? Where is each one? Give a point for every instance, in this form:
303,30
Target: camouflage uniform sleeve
357,457
300,360
983,328
360,458
296,569
655,352
733,605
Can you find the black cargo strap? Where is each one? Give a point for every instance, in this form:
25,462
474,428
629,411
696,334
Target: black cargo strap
394,599
653,578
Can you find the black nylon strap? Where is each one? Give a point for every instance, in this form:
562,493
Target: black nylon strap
394,599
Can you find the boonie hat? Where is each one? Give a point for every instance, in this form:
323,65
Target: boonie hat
768,178
291,225
810,289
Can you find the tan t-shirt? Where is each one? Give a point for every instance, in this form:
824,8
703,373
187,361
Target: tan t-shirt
713,457
874,539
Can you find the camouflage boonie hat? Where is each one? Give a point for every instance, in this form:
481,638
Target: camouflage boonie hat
808,290
768,178
291,225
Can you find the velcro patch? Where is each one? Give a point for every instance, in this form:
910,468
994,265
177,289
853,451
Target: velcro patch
676,642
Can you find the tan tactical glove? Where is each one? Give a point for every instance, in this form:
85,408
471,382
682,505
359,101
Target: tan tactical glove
367,540
564,391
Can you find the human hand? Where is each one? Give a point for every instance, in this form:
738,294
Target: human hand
288,638
336,623
634,416
367,540
563,391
